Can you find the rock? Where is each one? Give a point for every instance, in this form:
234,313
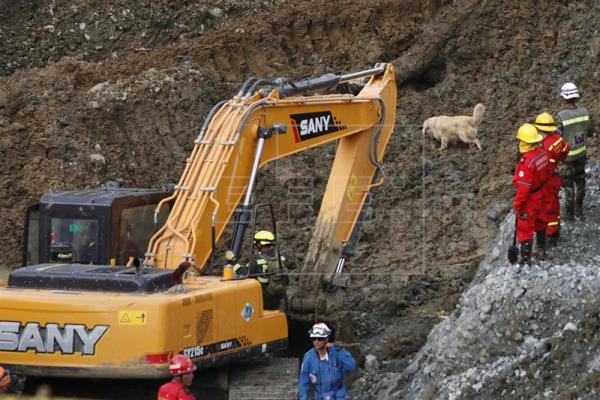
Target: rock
471,372
371,363
97,158
518,292
70,66
570,327
495,212
99,87
216,12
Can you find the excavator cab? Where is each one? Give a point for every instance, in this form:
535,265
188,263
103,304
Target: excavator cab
96,226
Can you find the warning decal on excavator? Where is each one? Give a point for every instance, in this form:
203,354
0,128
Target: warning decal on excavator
311,125
132,317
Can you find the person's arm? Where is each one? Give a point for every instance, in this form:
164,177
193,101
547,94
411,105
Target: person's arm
304,380
240,270
254,269
559,125
566,148
523,184
520,200
287,264
347,362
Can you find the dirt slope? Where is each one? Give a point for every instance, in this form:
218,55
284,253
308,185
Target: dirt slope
94,91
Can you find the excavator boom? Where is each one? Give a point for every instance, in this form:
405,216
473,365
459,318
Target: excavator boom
245,132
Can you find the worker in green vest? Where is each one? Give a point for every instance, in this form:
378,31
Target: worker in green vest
575,126
268,270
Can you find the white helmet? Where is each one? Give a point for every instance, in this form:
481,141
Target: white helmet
569,91
319,330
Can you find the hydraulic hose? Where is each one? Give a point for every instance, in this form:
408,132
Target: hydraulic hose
255,85
247,83
373,156
209,118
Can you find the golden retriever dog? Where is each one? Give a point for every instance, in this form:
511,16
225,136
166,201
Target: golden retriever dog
449,129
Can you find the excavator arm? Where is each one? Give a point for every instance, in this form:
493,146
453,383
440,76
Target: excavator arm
257,127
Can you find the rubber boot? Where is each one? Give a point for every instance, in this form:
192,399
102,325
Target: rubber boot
526,248
579,209
540,245
569,214
553,239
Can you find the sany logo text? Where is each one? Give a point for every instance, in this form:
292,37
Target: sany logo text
52,338
310,125
314,125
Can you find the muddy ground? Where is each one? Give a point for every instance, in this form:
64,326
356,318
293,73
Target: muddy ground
130,81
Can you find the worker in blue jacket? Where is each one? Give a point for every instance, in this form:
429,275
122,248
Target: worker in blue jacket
324,367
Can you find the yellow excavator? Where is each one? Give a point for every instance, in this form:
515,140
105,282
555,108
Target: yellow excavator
75,309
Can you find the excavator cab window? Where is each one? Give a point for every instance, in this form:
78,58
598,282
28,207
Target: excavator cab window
135,229
74,240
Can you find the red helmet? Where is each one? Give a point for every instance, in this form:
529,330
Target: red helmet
181,364
4,378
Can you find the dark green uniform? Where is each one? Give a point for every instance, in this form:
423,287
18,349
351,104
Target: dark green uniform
574,125
273,280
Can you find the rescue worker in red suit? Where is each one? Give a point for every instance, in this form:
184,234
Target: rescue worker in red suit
558,150
529,178
4,380
182,369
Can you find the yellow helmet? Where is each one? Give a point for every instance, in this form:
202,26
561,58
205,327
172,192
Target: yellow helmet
264,238
545,122
528,133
